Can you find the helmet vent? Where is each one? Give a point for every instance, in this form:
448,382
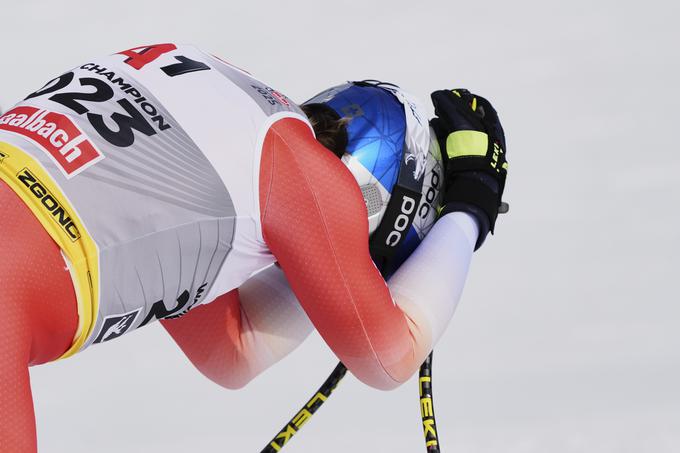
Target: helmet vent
372,198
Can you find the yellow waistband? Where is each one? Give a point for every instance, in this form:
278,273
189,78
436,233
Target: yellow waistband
42,195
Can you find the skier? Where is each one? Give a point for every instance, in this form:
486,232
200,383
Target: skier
163,183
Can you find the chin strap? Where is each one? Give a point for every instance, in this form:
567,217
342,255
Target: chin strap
397,220
405,197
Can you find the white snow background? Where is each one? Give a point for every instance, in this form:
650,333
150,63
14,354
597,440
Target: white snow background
567,338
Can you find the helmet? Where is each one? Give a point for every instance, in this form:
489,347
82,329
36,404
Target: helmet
395,162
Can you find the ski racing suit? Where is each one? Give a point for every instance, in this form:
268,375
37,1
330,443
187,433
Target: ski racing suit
162,183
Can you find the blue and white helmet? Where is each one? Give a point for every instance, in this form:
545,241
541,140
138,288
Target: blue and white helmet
391,153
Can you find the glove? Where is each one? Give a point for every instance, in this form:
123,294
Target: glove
472,141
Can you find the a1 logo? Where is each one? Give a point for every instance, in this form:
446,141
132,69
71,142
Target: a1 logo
138,57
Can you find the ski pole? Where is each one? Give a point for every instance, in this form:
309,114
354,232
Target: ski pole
427,406
304,414
327,388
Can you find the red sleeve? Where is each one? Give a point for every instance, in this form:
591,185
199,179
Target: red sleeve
210,337
315,222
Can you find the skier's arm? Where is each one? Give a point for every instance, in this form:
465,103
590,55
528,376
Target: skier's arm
314,221
240,334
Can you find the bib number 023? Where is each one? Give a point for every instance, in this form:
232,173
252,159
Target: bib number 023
123,136
119,127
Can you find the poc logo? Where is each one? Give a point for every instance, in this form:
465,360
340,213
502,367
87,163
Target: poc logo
408,205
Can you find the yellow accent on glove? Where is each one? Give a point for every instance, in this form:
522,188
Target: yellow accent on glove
467,143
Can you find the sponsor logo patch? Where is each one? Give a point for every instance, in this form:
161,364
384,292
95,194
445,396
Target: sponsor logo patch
57,211
272,96
56,134
116,325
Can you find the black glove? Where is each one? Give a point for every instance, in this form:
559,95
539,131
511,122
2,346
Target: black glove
472,142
